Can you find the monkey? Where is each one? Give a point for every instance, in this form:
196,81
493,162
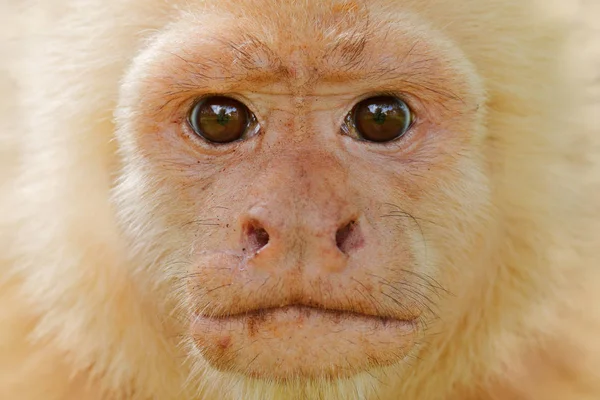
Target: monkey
259,199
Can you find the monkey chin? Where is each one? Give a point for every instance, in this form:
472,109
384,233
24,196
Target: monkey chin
301,342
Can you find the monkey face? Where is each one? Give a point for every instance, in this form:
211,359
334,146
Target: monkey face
304,195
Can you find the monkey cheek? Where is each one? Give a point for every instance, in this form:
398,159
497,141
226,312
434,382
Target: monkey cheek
292,342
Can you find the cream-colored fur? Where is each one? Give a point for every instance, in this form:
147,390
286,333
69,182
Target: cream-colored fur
81,317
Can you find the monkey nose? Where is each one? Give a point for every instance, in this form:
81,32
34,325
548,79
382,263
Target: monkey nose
320,243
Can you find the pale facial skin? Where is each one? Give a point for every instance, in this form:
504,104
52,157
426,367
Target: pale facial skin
305,250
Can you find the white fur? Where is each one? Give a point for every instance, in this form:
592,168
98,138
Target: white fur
79,315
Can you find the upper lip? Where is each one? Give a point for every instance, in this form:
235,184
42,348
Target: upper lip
241,292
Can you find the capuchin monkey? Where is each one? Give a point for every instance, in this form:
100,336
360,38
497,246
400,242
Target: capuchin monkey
260,199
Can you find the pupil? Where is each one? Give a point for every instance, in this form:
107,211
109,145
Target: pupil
379,117
223,117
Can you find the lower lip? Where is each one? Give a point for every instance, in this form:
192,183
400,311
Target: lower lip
288,342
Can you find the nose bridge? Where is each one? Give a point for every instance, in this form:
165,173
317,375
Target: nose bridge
313,189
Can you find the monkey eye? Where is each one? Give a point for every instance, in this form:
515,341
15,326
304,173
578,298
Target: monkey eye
220,119
380,119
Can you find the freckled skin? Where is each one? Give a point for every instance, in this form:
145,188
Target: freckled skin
299,261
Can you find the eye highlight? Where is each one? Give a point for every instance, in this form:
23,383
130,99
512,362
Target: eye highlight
220,119
380,119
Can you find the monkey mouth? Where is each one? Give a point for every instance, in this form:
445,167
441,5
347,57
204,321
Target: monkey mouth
296,340
258,315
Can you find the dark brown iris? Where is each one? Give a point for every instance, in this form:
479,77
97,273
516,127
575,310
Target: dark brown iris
381,118
220,119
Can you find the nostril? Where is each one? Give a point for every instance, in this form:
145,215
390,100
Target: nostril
257,237
348,237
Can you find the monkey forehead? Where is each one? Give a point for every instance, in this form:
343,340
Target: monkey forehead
297,46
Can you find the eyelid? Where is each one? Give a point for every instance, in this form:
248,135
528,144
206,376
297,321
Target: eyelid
411,101
193,100
403,96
